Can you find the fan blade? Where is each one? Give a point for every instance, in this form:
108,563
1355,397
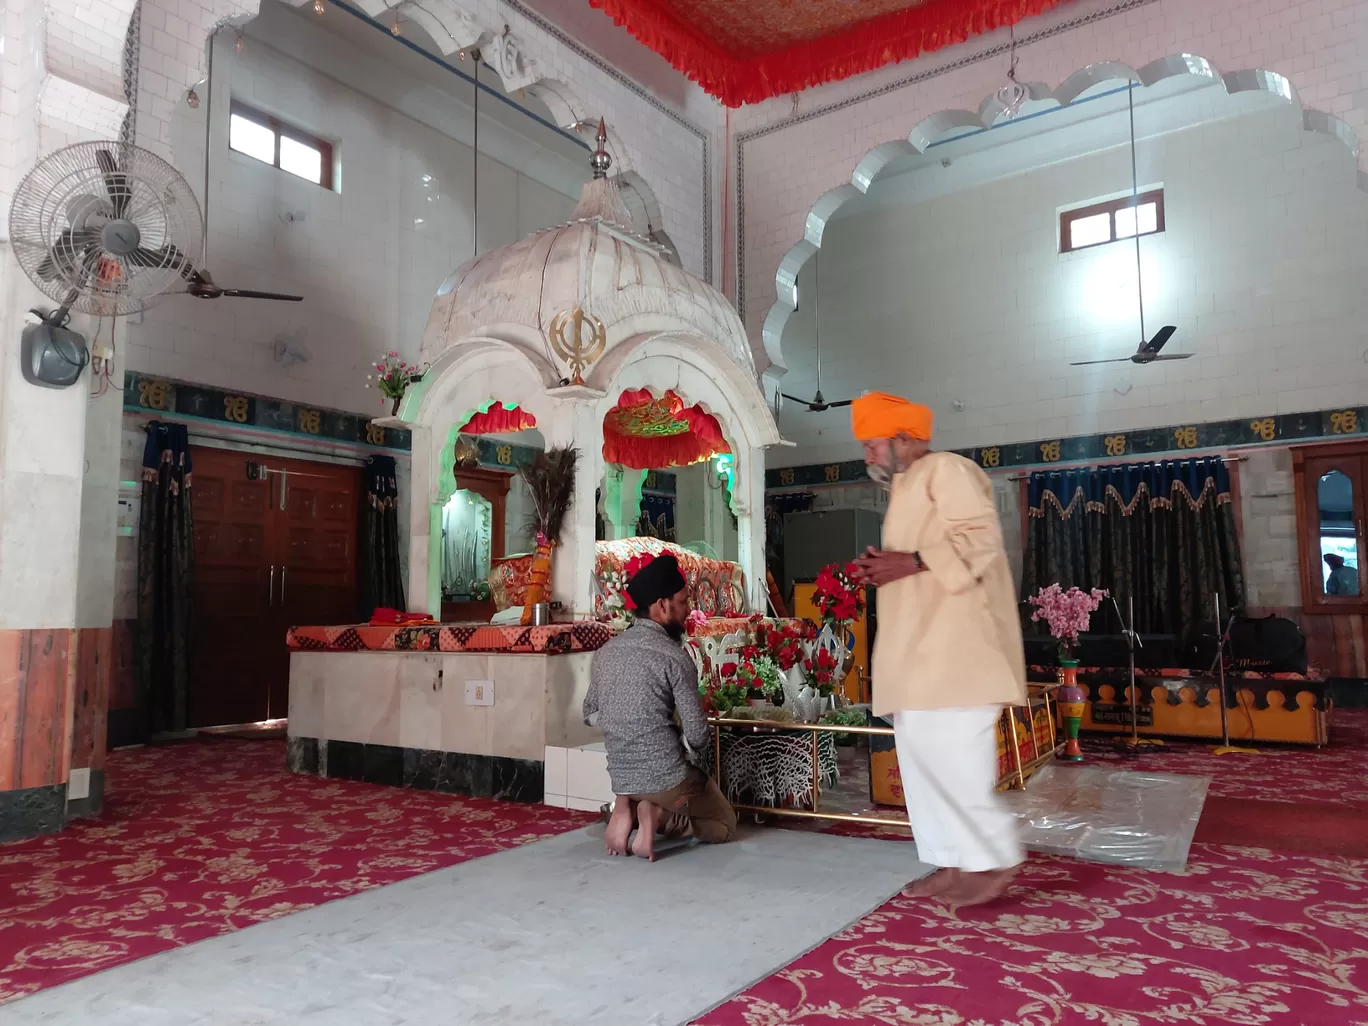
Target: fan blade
62,257
1171,356
120,193
794,398
249,294
1089,363
842,402
169,257
1160,338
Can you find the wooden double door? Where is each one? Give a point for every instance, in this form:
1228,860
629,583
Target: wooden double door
275,547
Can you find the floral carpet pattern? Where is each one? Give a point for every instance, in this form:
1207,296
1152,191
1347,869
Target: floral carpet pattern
1242,937
202,838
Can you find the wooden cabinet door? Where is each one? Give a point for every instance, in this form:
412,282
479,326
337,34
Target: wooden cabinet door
231,619
270,553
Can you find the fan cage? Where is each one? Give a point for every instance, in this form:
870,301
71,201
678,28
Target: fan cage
60,211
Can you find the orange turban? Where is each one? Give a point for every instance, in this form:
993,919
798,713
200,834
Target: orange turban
880,415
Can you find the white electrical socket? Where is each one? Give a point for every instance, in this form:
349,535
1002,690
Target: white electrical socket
479,692
78,785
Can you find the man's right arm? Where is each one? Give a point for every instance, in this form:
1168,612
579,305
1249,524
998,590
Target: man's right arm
692,721
591,700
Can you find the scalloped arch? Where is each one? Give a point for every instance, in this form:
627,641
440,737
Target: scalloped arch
928,130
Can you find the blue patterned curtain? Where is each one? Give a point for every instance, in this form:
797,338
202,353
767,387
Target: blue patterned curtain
1162,533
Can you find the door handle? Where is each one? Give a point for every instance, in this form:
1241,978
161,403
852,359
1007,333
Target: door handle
270,588
282,584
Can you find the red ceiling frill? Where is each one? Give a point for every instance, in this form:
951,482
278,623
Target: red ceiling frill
499,420
649,433
747,51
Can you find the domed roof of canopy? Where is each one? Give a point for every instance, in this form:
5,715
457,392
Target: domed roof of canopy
595,264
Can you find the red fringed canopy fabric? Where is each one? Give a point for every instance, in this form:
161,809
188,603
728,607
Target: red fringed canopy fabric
499,420
745,51
649,433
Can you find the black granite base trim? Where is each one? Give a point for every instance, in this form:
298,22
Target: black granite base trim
32,811
479,776
92,804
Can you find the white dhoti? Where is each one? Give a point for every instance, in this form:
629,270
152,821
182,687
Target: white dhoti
948,761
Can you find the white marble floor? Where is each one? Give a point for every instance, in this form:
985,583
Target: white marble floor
552,934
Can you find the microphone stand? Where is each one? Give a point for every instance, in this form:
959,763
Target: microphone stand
1132,747
1225,747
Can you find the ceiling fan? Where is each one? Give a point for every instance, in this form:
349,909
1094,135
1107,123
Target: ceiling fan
818,403
1149,349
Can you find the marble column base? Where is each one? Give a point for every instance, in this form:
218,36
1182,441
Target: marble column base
33,811
479,776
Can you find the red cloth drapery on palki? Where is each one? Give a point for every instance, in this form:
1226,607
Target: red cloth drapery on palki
649,433
498,420
746,51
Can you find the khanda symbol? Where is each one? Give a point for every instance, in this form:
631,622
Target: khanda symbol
578,339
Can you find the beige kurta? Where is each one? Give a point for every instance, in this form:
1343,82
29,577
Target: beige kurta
949,637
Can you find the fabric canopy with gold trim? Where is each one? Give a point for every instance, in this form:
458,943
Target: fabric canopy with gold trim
646,432
498,419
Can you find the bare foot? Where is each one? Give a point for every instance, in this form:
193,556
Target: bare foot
980,888
648,819
619,826
934,885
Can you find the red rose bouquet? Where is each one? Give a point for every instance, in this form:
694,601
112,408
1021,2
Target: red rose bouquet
721,695
821,671
782,642
837,595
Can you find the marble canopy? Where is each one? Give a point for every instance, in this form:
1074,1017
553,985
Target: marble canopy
562,323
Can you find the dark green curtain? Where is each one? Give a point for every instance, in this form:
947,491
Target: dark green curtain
166,574
1161,533
382,584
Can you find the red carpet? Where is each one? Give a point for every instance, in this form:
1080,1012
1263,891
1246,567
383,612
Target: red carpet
205,837
1243,937
1284,826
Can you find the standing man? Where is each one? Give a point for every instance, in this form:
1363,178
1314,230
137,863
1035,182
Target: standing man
948,655
638,682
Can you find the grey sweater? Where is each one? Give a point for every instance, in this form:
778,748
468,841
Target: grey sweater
637,683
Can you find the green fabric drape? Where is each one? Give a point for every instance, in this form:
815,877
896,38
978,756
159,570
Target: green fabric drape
382,584
1160,533
166,574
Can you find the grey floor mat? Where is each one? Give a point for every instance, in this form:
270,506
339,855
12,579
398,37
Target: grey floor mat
551,933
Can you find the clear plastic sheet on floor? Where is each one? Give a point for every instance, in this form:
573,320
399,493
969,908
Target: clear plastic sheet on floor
1110,815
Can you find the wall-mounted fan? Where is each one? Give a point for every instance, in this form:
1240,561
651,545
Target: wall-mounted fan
1149,349
108,236
818,403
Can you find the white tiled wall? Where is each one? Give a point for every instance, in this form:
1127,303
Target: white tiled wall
965,303
1318,44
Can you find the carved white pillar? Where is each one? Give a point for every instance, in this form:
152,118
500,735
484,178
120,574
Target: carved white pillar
575,423
748,501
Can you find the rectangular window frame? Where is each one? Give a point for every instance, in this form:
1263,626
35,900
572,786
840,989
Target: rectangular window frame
1308,463
1110,207
285,130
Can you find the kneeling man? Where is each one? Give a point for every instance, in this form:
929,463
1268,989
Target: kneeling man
638,682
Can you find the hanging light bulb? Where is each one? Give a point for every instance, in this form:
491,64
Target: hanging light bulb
394,29
1012,96
318,6
239,44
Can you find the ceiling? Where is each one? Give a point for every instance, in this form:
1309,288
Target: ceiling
746,52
